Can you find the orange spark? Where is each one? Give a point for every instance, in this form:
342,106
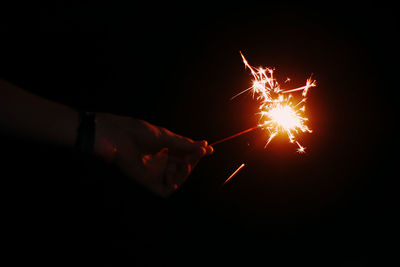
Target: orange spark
278,114
235,172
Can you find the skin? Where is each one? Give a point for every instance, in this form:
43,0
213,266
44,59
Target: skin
151,155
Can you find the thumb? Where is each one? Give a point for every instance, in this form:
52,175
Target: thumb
180,143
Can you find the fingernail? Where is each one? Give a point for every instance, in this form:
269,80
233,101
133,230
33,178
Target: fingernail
211,150
204,143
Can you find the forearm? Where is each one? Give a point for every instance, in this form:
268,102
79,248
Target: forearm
28,116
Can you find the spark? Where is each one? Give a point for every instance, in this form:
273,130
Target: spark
234,173
277,112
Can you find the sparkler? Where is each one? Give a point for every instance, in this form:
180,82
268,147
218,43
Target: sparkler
278,114
235,135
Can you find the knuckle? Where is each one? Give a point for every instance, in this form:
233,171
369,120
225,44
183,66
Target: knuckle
161,132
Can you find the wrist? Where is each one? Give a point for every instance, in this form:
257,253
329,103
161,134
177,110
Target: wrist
85,132
104,145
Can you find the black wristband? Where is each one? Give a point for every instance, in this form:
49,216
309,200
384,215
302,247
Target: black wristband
86,132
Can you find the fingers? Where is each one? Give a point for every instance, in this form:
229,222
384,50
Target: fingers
159,174
177,142
176,175
205,150
182,153
209,149
179,169
156,164
180,166
164,173
183,144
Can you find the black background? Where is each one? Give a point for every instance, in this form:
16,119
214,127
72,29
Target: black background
177,65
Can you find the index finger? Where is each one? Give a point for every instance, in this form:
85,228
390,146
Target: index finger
179,143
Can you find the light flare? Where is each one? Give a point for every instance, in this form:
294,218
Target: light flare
278,114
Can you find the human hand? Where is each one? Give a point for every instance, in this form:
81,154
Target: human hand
151,155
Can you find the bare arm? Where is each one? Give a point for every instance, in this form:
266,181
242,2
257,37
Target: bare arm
29,116
151,155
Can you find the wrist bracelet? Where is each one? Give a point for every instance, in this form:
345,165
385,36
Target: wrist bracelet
86,132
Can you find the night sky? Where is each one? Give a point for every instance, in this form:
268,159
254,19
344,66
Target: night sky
178,66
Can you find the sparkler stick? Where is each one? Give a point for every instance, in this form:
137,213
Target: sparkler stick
235,135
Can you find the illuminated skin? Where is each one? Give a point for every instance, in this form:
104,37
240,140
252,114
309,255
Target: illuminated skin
151,155
154,156
278,114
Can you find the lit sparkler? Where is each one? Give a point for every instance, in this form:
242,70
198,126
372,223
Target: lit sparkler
278,113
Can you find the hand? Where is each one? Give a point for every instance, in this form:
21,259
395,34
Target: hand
153,156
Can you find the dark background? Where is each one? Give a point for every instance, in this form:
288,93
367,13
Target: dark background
177,66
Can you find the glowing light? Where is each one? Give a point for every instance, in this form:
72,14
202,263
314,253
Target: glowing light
234,173
278,114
